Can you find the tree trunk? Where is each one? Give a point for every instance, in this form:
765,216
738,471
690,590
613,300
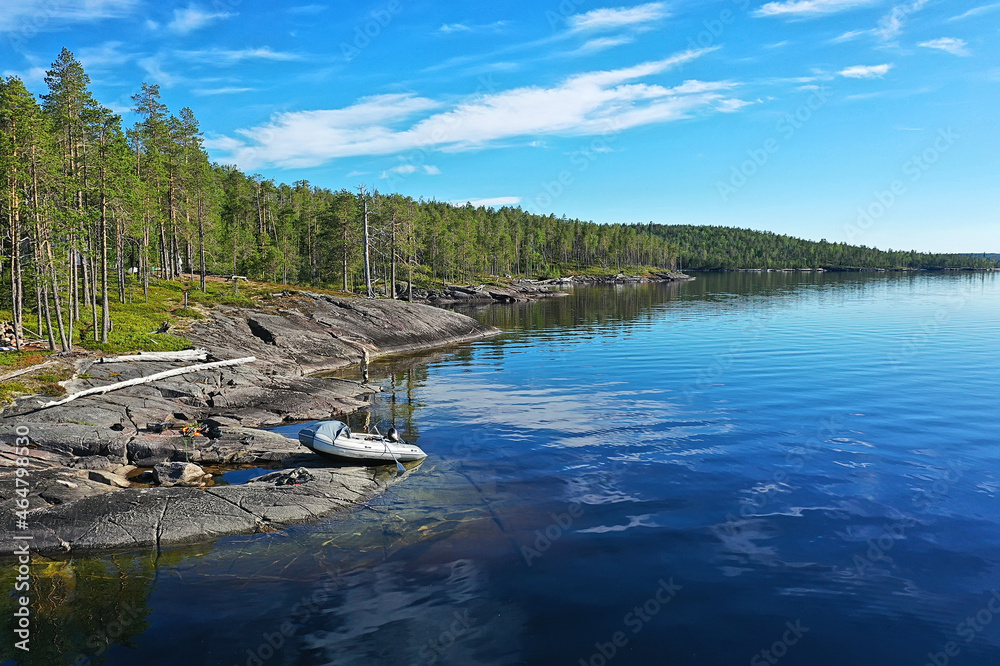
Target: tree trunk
201,244
367,242
105,312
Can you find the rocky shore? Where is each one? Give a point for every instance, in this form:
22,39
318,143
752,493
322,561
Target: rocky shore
531,290
90,486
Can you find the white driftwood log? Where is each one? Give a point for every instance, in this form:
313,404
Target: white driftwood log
152,378
185,355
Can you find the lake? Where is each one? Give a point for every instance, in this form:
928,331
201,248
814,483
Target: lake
744,469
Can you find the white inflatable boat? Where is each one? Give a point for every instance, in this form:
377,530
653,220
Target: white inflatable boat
334,438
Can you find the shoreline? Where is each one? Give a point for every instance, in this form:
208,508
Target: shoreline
82,452
526,290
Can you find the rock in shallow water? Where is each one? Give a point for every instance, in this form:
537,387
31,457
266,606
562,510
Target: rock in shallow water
180,474
285,477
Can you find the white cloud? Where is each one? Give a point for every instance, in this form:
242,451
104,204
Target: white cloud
849,36
618,17
865,71
409,169
155,72
810,8
449,28
225,56
891,25
28,76
307,9
490,202
40,15
192,18
732,105
108,54
948,45
976,11
603,43
587,104
219,91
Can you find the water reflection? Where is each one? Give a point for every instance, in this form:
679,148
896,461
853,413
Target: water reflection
748,436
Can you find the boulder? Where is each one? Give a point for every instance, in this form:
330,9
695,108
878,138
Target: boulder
285,477
179,474
109,478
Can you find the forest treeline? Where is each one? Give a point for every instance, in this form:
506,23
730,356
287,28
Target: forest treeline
94,212
92,209
714,248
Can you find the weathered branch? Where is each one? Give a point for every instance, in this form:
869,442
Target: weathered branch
152,378
185,355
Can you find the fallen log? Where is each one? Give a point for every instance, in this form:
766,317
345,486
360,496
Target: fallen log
25,371
151,378
166,356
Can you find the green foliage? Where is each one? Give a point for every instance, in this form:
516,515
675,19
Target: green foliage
113,226
730,248
11,389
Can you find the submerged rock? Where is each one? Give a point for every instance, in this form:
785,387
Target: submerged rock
285,477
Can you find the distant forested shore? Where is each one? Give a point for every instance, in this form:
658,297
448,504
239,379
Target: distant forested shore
730,248
94,213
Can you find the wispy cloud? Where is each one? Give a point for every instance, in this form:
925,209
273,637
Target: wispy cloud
203,92
810,8
40,15
108,54
976,11
226,56
618,17
155,72
307,9
410,169
490,202
28,76
193,18
602,44
587,104
949,45
891,25
450,28
865,71
849,36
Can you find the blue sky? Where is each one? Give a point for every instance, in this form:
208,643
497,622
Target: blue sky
868,121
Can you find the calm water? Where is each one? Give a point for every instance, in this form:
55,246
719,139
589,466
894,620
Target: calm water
746,469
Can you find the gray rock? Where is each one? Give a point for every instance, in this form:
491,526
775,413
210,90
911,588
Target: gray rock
179,474
286,477
81,449
109,478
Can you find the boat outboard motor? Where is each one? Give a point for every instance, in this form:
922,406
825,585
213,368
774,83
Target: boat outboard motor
393,435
